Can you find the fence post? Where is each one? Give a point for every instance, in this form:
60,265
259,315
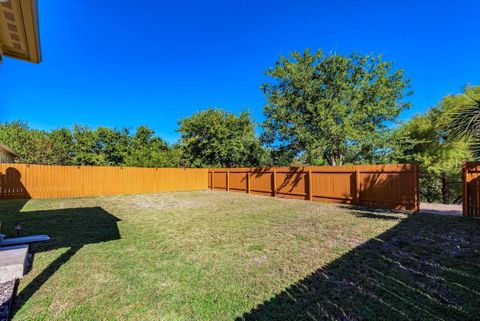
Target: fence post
213,179
464,190
310,189
228,180
357,186
417,187
274,183
248,181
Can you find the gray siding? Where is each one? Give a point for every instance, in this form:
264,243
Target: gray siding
5,157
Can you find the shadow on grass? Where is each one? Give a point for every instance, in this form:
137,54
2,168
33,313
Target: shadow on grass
376,213
427,267
70,228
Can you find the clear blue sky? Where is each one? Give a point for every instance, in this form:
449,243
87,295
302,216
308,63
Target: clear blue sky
127,63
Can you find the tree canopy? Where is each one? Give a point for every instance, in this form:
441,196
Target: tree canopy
216,138
465,121
332,108
425,140
85,146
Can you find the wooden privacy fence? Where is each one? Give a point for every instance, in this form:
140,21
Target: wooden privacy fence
471,189
378,186
41,181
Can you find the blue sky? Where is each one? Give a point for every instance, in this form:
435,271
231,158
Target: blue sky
127,63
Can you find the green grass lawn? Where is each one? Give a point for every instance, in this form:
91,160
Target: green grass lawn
225,256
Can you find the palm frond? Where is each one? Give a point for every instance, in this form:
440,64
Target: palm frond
466,123
475,149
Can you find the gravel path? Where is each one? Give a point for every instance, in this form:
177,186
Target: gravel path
441,209
6,293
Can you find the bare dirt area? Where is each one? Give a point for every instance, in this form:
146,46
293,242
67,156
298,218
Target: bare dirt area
441,209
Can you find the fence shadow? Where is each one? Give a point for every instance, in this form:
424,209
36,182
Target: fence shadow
383,190
427,267
293,177
70,228
375,213
11,186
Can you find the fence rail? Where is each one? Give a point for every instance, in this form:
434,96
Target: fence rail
378,186
41,181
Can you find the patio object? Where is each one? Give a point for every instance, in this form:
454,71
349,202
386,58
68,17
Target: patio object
12,262
24,240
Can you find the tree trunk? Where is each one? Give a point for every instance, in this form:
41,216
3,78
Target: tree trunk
333,161
429,200
445,191
336,160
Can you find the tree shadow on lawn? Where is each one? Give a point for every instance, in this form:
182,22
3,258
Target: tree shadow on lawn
427,267
70,228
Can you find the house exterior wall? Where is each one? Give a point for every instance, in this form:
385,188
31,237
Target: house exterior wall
6,157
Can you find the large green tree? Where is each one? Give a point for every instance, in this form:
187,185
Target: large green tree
332,109
60,146
86,149
113,145
217,138
31,145
148,150
425,140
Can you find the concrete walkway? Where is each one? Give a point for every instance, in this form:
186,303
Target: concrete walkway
441,209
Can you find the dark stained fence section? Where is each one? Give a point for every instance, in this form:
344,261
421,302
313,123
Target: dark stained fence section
471,189
376,186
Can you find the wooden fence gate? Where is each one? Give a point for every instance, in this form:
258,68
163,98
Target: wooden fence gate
471,189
